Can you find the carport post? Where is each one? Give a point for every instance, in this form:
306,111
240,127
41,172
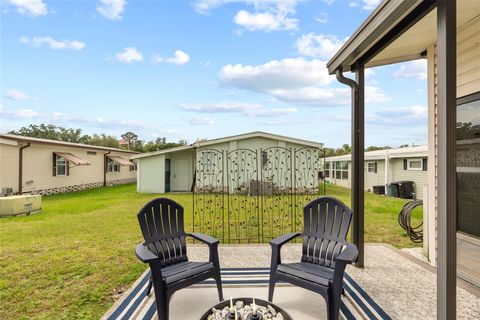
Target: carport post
446,163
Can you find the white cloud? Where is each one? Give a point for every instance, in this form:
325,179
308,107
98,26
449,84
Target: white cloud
416,69
18,95
370,4
179,58
318,45
202,120
290,73
221,107
294,81
353,4
405,116
30,7
397,117
266,21
247,109
19,114
274,112
53,43
267,15
129,55
322,17
111,9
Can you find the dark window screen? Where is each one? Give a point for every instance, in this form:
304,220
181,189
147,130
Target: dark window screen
468,165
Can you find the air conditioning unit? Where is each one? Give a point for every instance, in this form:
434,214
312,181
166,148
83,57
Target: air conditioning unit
22,204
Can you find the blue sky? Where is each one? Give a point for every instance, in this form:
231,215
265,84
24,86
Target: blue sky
198,69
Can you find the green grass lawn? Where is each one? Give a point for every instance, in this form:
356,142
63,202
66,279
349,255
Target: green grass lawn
69,260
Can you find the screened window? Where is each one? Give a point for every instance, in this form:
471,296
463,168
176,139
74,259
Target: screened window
468,164
371,167
327,170
112,166
60,166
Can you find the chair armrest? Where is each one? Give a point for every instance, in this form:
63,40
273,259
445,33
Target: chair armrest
208,240
348,255
145,255
277,244
212,244
281,240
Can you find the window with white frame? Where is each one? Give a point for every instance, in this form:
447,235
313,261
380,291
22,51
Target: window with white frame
112,166
415,164
341,170
60,166
327,169
371,167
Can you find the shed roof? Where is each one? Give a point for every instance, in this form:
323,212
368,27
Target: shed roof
409,152
255,134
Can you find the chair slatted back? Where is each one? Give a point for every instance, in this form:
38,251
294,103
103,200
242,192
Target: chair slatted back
162,225
326,223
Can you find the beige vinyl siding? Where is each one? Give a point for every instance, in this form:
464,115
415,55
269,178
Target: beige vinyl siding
418,176
468,61
8,167
372,178
468,82
38,167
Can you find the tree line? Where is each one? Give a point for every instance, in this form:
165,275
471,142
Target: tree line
130,141
346,149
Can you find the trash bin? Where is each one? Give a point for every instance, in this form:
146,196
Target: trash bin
392,189
380,189
406,189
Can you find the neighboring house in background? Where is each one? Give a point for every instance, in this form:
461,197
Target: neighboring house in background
383,167
232,163
33,165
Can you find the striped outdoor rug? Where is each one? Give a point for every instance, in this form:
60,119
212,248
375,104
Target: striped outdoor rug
134,304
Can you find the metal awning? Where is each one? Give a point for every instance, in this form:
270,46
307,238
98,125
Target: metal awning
418,18
120,160
73,158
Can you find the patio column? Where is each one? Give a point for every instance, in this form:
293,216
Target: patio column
446,167
358,171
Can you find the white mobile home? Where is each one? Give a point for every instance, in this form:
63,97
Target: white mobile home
383,167
235,163
43,166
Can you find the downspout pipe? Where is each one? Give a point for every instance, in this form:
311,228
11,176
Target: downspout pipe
349,82
357,158
20,167
105,168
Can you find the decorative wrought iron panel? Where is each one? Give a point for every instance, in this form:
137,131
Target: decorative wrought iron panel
277,192
242,170
306,181
208,193
245,196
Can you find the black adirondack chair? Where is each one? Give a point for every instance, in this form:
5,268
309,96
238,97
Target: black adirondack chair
164,249
325,253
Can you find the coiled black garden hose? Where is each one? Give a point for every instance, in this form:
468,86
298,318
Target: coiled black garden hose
405,221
